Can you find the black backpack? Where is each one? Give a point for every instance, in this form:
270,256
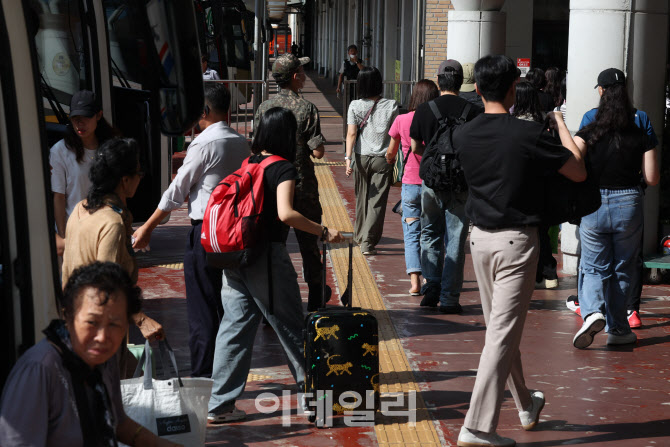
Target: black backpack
440,169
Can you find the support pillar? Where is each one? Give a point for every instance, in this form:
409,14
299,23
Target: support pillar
476,28
631,36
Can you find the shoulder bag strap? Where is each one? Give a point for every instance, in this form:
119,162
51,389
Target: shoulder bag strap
435,110
365,120
466,111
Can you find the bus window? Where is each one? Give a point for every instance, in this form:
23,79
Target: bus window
61,53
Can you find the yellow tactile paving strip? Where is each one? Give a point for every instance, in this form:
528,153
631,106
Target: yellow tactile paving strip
395,371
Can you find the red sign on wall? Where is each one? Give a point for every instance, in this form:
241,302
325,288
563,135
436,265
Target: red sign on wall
524,65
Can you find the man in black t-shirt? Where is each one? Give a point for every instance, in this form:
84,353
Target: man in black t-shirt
505,161
444,226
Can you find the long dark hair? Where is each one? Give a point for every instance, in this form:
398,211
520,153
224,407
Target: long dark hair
276,134
527,102
103,131
554,76
115,159
423,91
615,115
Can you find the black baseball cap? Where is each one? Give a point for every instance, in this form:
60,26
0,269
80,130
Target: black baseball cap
84,103
609,77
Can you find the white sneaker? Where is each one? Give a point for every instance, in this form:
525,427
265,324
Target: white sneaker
530,417
614,339
229,416
467,438
593,324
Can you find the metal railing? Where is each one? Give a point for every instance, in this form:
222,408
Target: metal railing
401,91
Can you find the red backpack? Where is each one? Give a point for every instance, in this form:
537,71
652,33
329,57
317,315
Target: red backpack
232,228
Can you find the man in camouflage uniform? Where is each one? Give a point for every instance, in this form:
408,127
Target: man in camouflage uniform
290,76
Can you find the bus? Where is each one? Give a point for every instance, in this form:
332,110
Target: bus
142,60
281,40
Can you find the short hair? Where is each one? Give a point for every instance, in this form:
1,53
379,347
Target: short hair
204,58
450,80
494,75
424,91
217,96
276,133
116,158
370,82
108,278
352,47
536,77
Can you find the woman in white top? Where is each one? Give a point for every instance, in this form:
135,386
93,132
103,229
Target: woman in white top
71,157
372,173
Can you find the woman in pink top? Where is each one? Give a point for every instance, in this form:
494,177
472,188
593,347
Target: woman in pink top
425,90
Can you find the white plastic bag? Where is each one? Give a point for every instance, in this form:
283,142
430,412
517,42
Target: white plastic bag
174,409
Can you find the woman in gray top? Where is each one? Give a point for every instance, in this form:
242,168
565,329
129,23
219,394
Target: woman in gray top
373,115
65,390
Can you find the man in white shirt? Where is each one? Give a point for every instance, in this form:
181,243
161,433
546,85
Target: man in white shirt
215,153
208,74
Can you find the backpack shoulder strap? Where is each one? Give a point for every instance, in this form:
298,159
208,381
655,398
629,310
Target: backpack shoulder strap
435,110
270,160
466,112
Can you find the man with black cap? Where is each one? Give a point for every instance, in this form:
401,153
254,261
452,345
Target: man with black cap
444,226
290,76
606,79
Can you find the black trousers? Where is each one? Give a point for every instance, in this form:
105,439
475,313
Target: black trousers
203,304
308,243
546,263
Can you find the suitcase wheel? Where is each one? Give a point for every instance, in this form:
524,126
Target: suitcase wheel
311,418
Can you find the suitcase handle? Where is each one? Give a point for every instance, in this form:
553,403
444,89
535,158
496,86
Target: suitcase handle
347,295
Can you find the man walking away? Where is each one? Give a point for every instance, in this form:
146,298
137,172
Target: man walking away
505,161
214,154
290,76
444,226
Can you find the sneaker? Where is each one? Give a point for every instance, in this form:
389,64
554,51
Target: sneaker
634,319
572,303
370,252
546,284
625,339
530,417
593,324
455,309
472,438
229,416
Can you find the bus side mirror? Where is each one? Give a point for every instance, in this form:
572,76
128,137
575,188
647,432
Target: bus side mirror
177,60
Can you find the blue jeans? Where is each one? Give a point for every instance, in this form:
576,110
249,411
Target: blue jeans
610,240
444,229
244,296
411,208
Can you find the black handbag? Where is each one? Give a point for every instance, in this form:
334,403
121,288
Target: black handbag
568,201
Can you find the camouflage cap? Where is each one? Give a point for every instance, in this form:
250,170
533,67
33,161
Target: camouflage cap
287,64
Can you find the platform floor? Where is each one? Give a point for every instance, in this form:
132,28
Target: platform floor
598,397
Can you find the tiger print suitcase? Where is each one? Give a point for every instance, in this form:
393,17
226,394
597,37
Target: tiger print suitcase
341,359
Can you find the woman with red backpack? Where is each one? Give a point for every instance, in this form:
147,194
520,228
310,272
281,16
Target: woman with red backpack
248,290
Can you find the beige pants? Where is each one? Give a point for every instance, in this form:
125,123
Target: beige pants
372,176
505,264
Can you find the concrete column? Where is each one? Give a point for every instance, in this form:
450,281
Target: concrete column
390,42
476,29
631,36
